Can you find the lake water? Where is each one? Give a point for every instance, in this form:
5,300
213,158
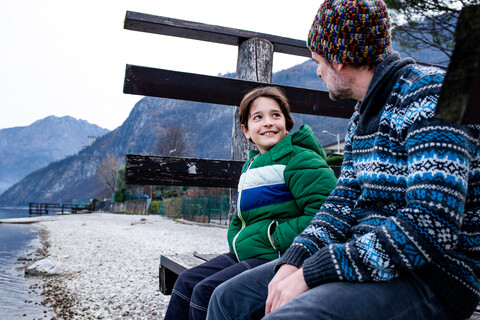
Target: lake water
17,299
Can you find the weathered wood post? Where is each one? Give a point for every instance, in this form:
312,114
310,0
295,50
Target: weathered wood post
254,63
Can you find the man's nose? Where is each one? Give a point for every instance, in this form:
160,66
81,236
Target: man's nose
318,72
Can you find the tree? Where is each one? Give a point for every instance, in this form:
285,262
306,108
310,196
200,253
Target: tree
172,143
121,186
107,172
420,24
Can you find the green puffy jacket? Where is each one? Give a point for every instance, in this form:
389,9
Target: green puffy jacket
279,191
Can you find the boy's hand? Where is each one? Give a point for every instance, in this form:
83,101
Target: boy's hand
287,284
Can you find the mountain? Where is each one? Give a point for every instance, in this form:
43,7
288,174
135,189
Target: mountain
26,149
206,127
75,176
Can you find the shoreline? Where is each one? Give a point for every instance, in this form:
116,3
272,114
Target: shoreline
110,262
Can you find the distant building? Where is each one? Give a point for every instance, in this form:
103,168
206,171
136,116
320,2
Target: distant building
91,140
333,146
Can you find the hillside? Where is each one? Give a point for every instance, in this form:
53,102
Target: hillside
26,149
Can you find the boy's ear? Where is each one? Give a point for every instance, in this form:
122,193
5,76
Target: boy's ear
245,131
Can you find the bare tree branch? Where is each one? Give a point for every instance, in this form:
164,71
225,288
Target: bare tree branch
107,172
172,143
419,24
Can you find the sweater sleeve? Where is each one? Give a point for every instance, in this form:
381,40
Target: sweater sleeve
333,220
425,230
310,180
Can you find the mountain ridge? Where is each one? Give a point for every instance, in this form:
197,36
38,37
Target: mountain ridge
24,149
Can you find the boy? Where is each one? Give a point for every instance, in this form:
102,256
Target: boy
281,187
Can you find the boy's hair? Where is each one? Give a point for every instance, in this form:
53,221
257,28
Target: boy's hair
274,93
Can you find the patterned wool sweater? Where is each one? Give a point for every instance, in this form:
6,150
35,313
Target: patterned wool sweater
408,197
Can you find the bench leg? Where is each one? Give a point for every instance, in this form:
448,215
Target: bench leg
167,280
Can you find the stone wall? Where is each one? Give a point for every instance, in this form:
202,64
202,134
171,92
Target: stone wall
131,206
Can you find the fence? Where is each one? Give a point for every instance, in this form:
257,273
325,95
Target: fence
206,209
212,209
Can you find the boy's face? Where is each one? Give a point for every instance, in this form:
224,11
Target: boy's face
266,124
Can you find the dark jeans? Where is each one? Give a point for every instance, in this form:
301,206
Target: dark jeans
404,298
193,288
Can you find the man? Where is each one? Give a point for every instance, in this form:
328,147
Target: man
398,238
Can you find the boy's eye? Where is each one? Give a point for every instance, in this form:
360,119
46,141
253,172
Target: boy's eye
277,115
257,117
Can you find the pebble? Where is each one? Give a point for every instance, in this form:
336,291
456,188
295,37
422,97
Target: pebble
114,274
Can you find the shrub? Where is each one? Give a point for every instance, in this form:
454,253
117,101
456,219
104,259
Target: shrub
335,161
153,207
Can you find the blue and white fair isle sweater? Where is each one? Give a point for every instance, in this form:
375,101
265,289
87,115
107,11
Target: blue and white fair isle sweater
408,197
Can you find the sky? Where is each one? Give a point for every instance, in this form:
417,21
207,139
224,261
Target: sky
68,57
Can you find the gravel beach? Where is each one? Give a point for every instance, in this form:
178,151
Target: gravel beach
110,262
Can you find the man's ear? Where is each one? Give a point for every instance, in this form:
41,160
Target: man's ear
339,66
245,131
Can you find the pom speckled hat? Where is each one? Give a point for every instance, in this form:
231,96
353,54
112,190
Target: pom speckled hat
351,31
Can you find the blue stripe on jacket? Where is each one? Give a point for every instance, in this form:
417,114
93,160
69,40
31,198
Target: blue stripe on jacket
264,186
264,196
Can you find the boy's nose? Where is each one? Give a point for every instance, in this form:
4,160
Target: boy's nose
267,121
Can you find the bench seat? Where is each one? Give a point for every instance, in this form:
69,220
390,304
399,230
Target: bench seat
172,265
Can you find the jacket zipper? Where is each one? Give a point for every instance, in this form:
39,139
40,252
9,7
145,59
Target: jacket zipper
239,212
270,238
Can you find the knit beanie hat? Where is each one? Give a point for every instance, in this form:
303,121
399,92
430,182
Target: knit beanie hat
351,31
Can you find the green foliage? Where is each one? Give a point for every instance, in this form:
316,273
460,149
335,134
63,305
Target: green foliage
120,183
335,161
172,193
120,195
153,207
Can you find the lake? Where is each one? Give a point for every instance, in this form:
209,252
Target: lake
17,299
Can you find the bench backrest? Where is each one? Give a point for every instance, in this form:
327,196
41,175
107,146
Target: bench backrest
462,80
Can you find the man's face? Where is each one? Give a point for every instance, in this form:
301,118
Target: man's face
338,85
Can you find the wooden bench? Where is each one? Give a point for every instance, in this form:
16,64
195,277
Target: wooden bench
155,170
172,265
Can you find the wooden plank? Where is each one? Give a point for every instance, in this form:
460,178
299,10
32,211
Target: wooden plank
172,265
205,32
201,88
155,170
460,93
167,171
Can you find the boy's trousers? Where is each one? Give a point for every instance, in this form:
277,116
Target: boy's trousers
193,288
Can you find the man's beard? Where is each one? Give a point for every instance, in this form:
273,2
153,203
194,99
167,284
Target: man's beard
338,88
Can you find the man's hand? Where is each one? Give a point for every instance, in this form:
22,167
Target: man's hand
287,284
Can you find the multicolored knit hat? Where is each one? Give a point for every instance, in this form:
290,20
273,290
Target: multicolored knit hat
351,31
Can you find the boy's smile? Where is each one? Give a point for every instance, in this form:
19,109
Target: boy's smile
266,124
